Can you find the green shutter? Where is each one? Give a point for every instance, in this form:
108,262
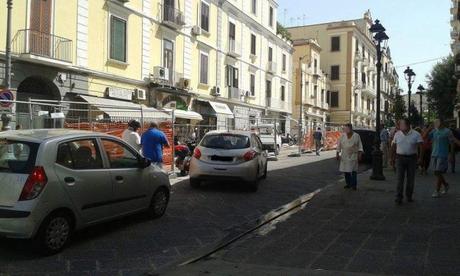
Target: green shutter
118,39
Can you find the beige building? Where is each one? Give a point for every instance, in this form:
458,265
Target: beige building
348,58
310,84
455,35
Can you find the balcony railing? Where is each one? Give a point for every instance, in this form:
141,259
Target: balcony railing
277,104
271,67
358,56
42,44
234,48
235,93
173,17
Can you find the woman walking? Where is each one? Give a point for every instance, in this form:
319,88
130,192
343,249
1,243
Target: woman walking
349,152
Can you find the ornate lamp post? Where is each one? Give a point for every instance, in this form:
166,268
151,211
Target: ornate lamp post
410,78
379,38
420,92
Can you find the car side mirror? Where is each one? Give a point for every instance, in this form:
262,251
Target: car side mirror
144,163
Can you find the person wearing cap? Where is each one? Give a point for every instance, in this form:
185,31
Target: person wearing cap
131,135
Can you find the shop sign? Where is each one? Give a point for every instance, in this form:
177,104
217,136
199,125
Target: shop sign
120,93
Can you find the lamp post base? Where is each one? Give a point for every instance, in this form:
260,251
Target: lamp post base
377,162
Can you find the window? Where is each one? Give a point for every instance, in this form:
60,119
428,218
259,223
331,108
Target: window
204,68
335,43
226,141
231,31
204,16
17,157
79,155
315,66
254,7
364,78
322,95
268,89
335,72
270,19
117,39
315,91
334,99
284,63
283,93
120,157
232,76
252,85
356,75
253,44
168,56
270,54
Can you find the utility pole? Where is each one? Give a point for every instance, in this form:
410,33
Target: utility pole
9,7
301,106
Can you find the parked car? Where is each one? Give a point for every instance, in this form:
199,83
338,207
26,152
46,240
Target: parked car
367,138
271,139
57,181
229,155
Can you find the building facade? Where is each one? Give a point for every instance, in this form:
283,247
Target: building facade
311,85
219,63
349,58
455,35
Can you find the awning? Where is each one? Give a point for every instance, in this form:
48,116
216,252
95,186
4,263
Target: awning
125,111
221,108
184,114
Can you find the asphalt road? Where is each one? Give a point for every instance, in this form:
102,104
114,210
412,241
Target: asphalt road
196,219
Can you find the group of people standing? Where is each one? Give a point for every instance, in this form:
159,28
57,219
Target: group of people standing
151,142
404,149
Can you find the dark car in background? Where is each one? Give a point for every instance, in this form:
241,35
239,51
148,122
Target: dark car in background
367,138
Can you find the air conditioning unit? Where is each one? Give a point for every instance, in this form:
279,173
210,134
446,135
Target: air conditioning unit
196,30
184,83
161,73
216,91
140,94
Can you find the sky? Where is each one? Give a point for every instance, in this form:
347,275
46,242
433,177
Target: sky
419,30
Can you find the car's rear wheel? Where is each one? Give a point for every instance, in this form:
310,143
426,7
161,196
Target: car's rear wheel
195,183
159,203
54,233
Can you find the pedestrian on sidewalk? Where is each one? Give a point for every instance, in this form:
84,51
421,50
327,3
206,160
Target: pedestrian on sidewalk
406,147
384,144
153,141
426,148
349,153
443,148
131,135
318,137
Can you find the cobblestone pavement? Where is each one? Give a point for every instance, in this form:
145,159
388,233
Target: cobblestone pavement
194,219
341,232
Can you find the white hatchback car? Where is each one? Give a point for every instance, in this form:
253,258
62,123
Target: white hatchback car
229,155
53,182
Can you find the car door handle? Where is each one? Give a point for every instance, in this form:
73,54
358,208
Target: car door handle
69,181
119,178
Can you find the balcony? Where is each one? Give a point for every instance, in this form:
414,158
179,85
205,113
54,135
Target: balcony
366,89
371,68
235,93
277,104
234,48
35,43
172,17
365,62
325,106
271,67
358,56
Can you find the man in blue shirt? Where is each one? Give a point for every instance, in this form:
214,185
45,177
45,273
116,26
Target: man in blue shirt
443,141
152,142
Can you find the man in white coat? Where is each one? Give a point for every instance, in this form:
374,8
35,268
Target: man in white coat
349,153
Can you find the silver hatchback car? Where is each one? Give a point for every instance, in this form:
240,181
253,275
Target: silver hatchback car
229,155
53,182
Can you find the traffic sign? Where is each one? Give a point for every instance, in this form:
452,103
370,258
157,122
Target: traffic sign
6,95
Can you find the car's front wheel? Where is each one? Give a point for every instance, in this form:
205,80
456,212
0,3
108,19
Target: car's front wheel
54,233
159,203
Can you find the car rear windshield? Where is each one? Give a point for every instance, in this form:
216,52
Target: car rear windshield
226,141
16,156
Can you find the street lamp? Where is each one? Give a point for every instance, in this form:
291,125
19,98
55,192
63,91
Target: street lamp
420,92
379,37
410,78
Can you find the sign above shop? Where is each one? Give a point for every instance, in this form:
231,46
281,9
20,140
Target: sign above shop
120,93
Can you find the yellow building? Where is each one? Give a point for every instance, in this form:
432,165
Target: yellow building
192,55
455,35
311,84
349,58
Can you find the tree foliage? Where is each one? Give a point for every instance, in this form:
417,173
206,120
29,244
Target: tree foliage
399,108
280,29
442,88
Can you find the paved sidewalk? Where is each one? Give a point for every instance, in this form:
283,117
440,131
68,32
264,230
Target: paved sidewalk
345,232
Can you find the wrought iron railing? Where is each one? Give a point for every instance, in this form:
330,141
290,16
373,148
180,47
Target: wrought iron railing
173,15
38,43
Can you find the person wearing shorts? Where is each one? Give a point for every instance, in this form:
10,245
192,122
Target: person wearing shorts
443,144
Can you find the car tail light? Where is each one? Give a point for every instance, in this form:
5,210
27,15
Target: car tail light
248,156
197,153
35,184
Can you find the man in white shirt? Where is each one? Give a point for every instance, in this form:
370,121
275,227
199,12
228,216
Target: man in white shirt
131,136
406,145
